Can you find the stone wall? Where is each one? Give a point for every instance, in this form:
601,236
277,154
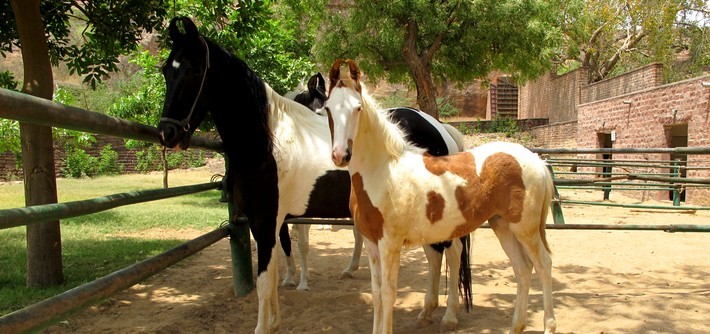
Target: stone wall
644,119
552,96
642,78
558,135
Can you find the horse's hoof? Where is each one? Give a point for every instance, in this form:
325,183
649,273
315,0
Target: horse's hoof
448,325
303,287
346,274
424,322
288,283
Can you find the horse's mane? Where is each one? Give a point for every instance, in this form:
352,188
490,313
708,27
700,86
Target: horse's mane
298,90
238,80
275,106
302,116
392,135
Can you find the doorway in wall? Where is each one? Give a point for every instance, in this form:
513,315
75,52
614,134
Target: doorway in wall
677,136
605,140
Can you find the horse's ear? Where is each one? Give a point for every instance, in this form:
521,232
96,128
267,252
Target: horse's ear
318,84
313,82
355,72
334,74
181,29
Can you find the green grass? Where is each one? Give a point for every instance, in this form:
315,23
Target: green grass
99,244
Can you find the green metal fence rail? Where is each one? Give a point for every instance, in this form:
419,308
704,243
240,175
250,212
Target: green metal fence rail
52,310
29,109
629,173
33,110
604,227
40,213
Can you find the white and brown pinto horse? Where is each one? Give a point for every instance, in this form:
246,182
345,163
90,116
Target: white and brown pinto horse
402,196
437,139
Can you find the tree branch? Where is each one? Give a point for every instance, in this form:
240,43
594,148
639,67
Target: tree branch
630,41
429,54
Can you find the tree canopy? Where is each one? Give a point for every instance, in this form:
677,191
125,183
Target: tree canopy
109,29
421,42
91,36
612,37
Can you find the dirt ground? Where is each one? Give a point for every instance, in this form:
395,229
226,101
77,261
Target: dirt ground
604,282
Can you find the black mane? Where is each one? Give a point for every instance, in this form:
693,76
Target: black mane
239,105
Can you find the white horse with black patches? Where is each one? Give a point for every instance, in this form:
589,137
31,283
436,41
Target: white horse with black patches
402,196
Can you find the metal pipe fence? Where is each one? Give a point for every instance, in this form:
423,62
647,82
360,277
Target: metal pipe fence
29,109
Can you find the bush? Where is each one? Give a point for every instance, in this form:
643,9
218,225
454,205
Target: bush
79,163
174,159
505,125
196,158
396,100
148,159
446,109
108,162
7,81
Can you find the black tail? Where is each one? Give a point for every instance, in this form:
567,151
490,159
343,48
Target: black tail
465,285
285,239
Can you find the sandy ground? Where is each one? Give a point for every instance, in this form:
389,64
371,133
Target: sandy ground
604,282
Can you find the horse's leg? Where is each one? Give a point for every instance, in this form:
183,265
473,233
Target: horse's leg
285,241
431,300
303,240
275,320
355,260
390,251
265,289
540,257
521,267
373,255
453,260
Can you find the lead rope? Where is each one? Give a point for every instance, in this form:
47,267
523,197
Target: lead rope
186,122
202,84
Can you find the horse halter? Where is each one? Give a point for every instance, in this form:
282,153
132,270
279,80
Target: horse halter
185,123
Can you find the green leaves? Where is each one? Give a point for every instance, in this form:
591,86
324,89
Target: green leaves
465,39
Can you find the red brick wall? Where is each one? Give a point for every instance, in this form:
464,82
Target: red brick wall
559,135
641,124
552,96
126,157
642,78
7,167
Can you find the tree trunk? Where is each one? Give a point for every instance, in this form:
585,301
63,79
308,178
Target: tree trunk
419,68
44,243
165,167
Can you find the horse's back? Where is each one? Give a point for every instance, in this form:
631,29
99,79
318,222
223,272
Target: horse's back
528,161
424,131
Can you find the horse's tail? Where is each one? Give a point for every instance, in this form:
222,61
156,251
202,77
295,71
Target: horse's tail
285,239
549,193
465,284
456,135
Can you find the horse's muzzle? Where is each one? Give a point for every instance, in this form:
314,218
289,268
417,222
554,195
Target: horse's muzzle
170,136
341,158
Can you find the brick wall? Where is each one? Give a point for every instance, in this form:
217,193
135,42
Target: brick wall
126,157
484,125
644,123
7,167
642,78
552,96
558,135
